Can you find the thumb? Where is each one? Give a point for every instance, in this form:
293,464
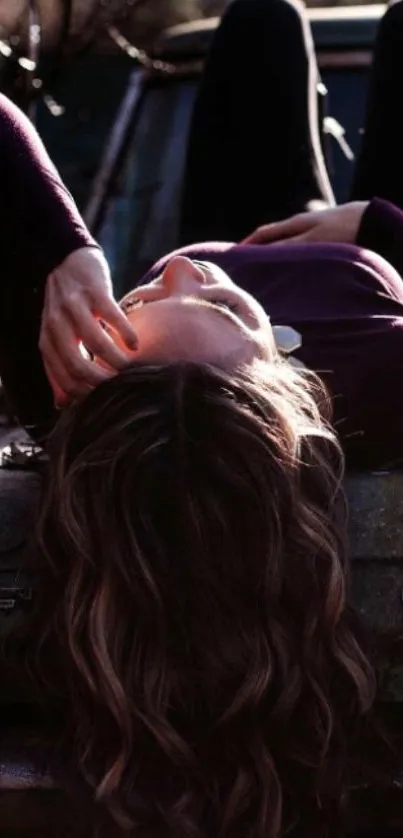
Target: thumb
61,399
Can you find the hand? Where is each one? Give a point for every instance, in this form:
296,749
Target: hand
337,224
78,297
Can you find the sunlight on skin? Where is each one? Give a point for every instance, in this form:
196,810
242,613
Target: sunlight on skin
194,312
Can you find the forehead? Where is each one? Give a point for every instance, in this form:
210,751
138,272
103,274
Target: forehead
174,329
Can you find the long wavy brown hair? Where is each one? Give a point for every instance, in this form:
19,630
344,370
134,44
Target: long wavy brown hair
194,612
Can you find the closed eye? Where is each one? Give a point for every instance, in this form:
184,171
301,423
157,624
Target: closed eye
225,304
128,305
234,308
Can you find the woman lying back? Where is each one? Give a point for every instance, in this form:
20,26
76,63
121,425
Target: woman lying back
192,620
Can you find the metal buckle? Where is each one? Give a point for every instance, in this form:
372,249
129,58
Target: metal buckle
14,592
23,456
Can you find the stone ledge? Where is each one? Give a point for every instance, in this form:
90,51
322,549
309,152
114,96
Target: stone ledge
375,501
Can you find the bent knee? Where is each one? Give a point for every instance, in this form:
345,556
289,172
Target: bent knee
263,12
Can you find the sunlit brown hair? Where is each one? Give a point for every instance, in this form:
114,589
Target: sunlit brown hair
194,602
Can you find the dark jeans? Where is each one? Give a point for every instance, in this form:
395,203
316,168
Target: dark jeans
379,167
254,151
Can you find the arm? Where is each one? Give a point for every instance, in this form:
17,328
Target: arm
38,206
375,225
54,283
39,227
381,230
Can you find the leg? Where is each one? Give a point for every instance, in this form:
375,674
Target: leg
379,167
254,150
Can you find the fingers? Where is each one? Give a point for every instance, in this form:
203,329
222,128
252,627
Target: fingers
69,372
70,319
97,340
61,398
112,314
280,230
304,237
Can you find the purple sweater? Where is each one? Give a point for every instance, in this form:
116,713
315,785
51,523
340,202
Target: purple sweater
345,301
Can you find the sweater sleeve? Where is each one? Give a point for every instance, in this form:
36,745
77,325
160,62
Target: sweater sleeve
33,199
40,226
381,230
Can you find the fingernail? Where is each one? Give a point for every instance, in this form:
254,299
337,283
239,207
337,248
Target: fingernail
132,343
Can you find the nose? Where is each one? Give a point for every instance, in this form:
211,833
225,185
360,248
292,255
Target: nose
182,276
